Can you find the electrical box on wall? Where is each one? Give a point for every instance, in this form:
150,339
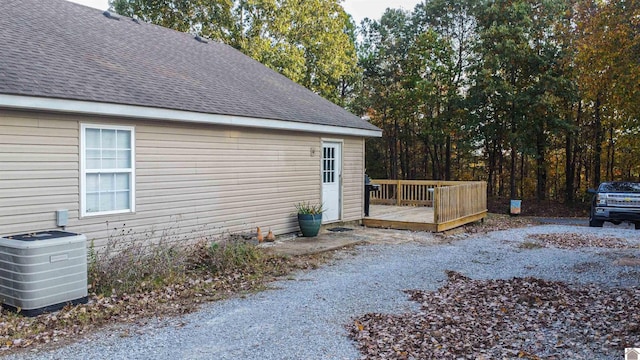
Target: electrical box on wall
62,217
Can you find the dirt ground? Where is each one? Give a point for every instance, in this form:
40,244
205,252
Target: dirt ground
540,208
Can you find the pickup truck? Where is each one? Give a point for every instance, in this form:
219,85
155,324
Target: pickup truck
615,201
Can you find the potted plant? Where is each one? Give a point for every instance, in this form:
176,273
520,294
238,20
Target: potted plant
309,218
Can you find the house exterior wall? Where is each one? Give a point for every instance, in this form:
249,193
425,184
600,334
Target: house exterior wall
192,180
353,179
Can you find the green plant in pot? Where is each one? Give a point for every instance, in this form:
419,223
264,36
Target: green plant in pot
309,218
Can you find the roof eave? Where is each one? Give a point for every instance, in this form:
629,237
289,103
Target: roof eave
22,102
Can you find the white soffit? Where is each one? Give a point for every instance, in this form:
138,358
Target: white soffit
149,113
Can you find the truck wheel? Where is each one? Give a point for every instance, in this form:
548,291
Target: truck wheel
598,223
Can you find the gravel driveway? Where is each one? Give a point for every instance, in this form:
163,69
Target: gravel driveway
304,316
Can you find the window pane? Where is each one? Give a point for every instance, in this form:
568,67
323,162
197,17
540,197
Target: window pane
93,163
107,201
122,200
109,154
92,139
93,159
124,159
92,203
109,159
107,182
124,139
108,139
92,183
94,153
109,164
122,182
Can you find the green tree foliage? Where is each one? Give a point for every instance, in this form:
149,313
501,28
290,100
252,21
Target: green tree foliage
608,72
309,41
383,53
539,98
520,76
412,89
210,18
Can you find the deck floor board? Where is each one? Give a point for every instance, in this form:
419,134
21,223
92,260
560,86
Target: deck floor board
418,214
417,218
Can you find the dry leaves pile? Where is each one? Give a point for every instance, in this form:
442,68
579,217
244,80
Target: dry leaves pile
497,222
492,319
573,241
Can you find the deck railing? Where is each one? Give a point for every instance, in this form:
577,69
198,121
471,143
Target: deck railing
460,200
450,200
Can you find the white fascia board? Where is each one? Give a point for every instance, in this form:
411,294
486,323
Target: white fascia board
150,113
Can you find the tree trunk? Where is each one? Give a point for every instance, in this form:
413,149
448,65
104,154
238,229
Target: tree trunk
491,188
436,163
500,172
404,154
512,177
425,163
570,163
611,152
393,150
541,166
522,175
569,168
447,161
578,151
598,144
514,134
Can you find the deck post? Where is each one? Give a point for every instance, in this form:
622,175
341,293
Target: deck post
399,193
436,196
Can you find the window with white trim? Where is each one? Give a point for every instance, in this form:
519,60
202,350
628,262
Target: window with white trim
107,166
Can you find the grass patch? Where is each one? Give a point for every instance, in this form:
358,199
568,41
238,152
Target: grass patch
229,256
135,266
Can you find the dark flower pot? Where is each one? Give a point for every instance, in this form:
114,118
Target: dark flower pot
309,224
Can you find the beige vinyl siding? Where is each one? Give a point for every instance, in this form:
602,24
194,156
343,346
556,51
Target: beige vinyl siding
38,171
353,179
192,180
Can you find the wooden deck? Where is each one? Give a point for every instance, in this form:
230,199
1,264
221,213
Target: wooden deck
416,218
449,204
421,214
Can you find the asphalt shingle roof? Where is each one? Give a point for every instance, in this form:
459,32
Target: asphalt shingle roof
58,49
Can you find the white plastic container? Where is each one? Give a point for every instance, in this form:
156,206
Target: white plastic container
43,271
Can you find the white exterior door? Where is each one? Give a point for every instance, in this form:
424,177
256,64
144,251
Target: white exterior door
331,180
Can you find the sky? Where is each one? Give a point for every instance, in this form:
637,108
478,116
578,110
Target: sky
359,9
